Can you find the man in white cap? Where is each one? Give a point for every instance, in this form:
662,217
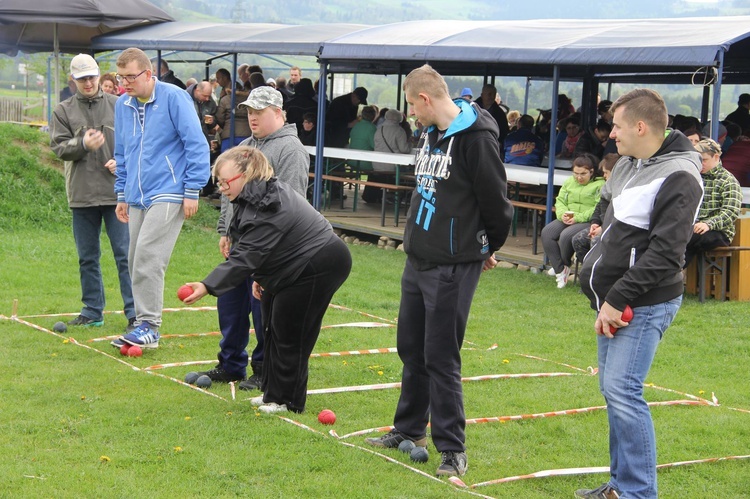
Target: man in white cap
82,135
278,141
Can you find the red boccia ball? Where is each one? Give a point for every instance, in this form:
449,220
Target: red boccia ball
327,416
124,349
184,292
627,316
135,351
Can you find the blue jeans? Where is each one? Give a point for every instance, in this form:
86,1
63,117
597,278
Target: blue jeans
624,362
234,308
87,228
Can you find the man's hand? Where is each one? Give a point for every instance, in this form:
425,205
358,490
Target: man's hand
595,230
189,207
122,212
257,291
199,291
489,263
701,228
111,165
608,316
224,244
93,139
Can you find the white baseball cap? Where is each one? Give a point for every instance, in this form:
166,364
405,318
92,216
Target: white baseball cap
83,65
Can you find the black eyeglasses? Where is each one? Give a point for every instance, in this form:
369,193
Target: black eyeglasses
130,78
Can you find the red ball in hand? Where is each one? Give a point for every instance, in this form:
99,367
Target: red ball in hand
184,292
627,316
327,416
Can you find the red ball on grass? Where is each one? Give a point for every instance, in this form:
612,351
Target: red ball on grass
327,416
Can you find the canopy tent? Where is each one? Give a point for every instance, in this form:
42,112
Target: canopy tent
54,26
260,38
585,50
532,48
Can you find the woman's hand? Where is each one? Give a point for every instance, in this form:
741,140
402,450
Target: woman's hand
199,291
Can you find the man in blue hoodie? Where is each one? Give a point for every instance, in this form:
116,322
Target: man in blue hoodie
162,164
459,217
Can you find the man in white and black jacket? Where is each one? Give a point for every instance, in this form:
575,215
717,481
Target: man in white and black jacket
654,194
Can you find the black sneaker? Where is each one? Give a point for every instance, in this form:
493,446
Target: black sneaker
219,375
394,437
453,464
602,492
251,383
82,320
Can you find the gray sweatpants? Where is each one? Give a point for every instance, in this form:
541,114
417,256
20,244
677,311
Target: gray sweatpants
153,234
557,241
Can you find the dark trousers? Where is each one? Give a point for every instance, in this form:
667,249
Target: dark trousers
704,242
431,325
293,317
234,310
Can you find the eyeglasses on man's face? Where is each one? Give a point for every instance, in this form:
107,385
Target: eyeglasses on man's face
130,78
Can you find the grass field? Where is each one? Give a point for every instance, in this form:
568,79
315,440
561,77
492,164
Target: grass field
79,420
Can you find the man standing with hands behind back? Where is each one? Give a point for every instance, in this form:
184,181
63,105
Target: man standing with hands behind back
459,217
162,163
82,134
654,193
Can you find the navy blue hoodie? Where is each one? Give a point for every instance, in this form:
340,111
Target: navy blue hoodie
459,211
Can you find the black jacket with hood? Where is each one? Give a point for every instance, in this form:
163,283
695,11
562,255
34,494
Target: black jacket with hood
653,204
459,211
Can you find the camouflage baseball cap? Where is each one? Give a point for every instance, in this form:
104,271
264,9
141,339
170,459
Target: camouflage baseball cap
262,97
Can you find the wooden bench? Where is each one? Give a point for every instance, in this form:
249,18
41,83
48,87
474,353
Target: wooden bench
378,185
714,269
537,211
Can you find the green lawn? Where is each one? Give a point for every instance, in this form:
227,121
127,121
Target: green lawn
79,420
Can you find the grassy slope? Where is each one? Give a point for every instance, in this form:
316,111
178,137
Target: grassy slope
64,407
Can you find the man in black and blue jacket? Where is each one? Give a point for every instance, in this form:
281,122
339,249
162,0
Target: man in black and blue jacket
459,217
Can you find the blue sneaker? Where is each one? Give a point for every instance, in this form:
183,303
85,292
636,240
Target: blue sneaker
117,343
143,336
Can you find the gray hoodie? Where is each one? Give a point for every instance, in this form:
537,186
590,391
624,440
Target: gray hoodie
289,160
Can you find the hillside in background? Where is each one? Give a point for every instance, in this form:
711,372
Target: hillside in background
390,11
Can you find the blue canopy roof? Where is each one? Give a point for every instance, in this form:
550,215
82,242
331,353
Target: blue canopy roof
515,47
255,38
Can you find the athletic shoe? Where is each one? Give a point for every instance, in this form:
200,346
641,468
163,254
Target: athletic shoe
562,277
143,336
257,401
82,320
117,343
551,272
453,464
272,408
219,375
393,438
131,325
251,383
601,492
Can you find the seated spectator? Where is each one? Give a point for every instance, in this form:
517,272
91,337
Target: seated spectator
706,132
362,136
602,109
523,147
741,115
308,133
574,207
301,103
737,160
573,133
584,239
109,84
565,107
513,120
693,135
733,134
722,199
593,141
391,137
466,94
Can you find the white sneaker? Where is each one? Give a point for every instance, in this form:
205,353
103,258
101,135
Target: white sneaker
272,407
562,277
551,271
257,401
